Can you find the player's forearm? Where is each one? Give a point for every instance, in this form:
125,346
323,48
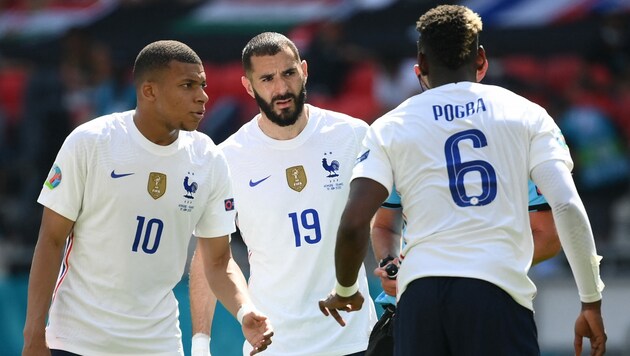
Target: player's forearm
350,251
44,270
556,183
228,284
202,300
546,241
385,243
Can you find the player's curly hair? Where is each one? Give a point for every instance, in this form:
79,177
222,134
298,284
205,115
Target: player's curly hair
157,55
266,44
450,33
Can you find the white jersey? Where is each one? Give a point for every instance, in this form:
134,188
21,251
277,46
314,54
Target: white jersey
135,205
460,156
289,197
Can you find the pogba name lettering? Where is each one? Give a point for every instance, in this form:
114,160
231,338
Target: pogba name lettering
450,112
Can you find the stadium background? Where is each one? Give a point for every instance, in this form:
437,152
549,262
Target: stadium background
63,62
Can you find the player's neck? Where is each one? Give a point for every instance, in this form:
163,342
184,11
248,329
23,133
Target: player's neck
283,132
153,132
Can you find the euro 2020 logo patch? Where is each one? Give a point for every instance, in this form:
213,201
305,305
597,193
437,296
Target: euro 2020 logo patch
54,177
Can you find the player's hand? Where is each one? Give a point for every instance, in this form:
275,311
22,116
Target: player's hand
590,324
333,303
257,330
387,283
35,350
35,345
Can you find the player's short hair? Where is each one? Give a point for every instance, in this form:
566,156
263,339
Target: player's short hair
159,54
451,34
266,44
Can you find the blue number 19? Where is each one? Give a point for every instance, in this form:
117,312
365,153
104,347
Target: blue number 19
458,169
309,219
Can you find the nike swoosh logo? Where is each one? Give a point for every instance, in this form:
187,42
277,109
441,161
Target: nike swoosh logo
253,184
114,175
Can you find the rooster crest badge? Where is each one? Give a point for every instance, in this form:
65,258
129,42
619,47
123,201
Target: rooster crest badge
331,167
191,188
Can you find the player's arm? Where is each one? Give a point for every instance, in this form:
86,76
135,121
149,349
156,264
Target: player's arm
53,231
386,232
385,235
228,284
353,239
202,306
556,183
546,240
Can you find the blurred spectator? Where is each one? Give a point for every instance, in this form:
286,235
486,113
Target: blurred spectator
395,80
613,47
602,166
330,58
111,84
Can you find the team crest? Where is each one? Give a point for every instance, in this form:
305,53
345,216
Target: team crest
190,187
296,178
156,185
331,167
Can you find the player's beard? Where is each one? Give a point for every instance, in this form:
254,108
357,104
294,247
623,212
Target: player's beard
287,116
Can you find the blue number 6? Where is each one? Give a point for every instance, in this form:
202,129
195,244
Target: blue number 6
458,169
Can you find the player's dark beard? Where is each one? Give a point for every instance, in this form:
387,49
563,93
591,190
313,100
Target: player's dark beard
287,117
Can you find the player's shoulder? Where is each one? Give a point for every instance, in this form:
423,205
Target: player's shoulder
335,117
237,139
102,128
506,97
199,143
340,123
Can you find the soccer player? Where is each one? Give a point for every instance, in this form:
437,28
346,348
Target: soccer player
460,155
290,167
388,226
124,196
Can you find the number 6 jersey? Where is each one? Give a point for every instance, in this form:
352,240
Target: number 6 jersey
465,196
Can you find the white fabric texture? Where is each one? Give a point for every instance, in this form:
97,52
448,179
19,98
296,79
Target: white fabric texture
200,345
556,183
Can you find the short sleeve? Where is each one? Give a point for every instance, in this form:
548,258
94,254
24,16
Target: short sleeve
373,161
63,189
548,143
219,214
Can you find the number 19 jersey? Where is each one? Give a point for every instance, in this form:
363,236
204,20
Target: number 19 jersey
289,196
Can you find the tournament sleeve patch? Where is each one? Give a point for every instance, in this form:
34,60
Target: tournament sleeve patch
229,204
54,177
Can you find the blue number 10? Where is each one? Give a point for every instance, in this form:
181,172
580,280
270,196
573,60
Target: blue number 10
148,233
458,169
309,219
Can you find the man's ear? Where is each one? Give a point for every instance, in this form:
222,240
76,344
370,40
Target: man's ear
304,70
423,65
421,79
482,63
148,90
248,86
